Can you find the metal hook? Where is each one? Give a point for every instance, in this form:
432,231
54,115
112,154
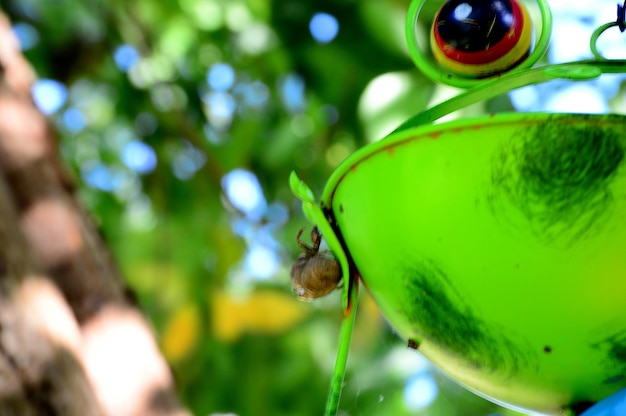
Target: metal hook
620,23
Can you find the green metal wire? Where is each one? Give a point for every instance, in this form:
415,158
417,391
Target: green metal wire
578,71
594,38
313,212
336,385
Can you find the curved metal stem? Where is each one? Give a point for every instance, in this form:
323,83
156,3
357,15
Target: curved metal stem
336,385
594,39
574,70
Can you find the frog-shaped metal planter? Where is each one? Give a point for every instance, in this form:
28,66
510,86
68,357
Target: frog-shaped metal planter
496,245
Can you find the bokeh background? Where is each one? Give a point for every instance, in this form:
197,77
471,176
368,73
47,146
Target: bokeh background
181,121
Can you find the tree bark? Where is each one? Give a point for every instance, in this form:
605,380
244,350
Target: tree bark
71,342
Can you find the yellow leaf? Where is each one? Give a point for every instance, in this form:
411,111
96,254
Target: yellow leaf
264,311
181,332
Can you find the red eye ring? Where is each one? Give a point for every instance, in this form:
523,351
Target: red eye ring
437,72
474,39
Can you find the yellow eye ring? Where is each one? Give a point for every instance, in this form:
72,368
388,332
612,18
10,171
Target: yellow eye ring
475,39
464,70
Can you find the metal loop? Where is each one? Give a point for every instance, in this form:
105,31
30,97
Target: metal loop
619,23
436,72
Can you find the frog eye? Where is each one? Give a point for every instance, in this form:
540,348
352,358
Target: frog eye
473,40
477,38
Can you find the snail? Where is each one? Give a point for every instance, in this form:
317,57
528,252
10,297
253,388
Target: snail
315,273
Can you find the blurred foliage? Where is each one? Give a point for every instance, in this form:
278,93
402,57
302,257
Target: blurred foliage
165,100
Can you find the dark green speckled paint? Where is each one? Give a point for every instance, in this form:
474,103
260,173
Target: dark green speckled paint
440,315
558,176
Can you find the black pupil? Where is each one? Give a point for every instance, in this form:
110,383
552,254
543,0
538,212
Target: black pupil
474,25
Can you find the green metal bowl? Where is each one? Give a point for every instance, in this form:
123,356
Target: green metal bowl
498,246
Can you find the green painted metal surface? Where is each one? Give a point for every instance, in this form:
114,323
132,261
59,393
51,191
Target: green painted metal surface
498,244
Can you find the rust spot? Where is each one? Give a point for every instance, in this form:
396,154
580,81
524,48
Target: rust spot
435,135
412,344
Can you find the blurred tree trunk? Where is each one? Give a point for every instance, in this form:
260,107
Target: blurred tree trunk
71,342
